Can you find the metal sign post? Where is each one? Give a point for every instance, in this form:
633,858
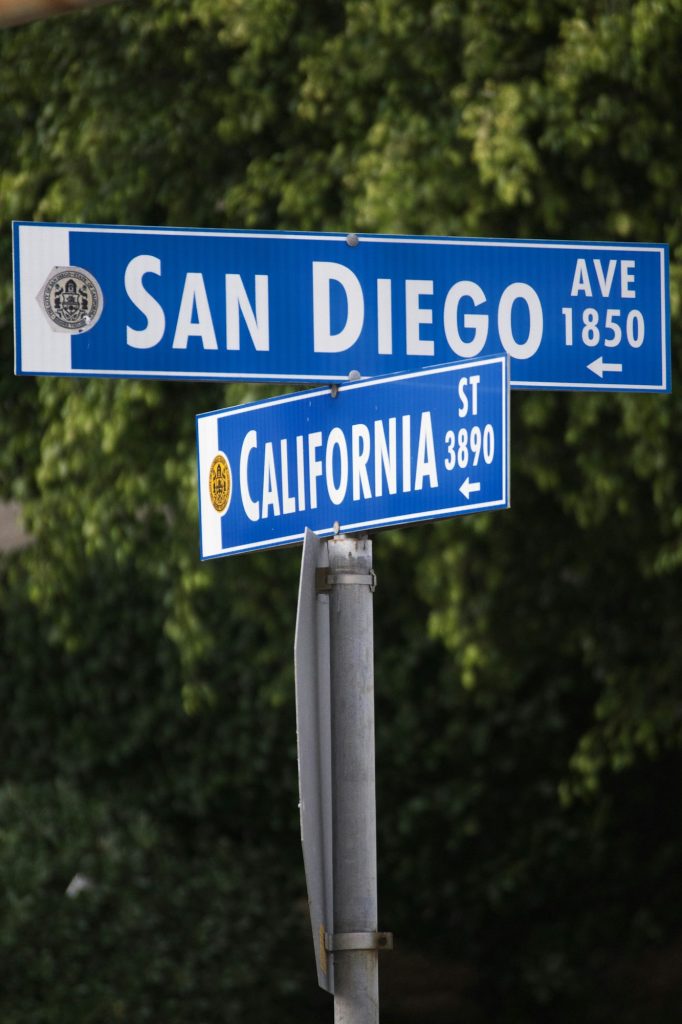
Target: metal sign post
334,658
355,940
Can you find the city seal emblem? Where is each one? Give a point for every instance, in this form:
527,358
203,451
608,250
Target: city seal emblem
71,299
220,483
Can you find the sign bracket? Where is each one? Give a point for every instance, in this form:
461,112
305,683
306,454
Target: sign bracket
348,941
325,580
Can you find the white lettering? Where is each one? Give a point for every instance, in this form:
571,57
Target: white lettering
152,334
345,463
463,409
360,449
384,317
236,302
270,492
475,380
581,279
415,316
252,508
314,465
300,473
463,400
527,348
627,278
336,440
407,455
194,295
323,339
605,280
478,322
426,455
385,457
288,501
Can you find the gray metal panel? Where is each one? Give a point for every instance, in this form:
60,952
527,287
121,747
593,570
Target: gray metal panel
313,728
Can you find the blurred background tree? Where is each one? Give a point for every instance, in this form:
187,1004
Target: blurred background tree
528,664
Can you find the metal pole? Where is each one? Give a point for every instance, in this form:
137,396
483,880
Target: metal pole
356,971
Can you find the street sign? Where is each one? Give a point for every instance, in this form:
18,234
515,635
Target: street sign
314,739
380,452
277,306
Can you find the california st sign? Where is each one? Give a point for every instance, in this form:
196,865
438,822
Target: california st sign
173,303
385,451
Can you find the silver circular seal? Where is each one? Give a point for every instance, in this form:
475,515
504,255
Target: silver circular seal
71,300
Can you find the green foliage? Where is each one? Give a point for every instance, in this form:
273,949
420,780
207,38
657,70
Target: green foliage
528,662
147,936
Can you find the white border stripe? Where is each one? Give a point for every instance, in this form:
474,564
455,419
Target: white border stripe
41,348
210,521
340,238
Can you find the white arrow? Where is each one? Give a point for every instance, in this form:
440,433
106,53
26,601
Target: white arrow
600,367
468,488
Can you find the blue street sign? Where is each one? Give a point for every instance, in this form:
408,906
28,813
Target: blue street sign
275,306
380,452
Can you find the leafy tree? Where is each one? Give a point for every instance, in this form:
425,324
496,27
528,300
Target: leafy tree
528,663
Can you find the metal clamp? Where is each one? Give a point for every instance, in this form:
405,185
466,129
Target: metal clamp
349,941
325,580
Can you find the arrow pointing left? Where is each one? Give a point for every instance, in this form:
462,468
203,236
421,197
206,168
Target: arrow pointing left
600,367
468,488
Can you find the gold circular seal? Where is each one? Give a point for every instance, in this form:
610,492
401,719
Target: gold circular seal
220,483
